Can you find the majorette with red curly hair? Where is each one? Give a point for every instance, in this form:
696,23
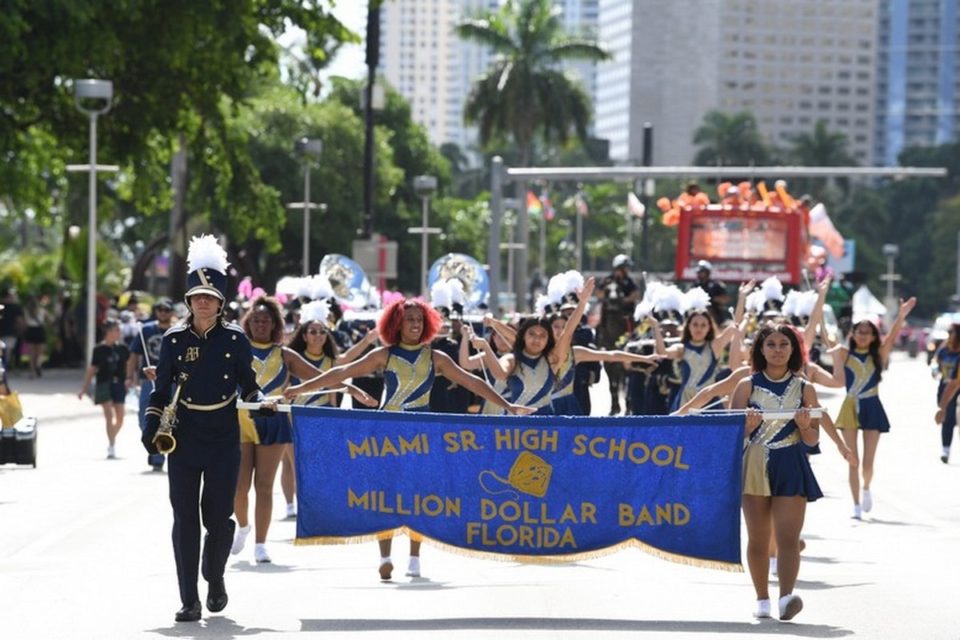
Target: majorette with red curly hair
409,365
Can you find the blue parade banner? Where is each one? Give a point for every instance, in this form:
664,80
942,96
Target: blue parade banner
533,488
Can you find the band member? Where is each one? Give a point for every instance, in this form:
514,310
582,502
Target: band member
145,351
618,294
204,366
406,328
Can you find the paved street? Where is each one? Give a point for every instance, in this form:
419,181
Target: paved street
85,553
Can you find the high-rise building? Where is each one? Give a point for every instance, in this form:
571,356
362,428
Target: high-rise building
917,76
789,63
420,57
424,59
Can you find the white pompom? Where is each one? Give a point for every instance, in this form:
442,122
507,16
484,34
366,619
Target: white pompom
316,311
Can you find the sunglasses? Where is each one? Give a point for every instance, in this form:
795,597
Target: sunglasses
315,332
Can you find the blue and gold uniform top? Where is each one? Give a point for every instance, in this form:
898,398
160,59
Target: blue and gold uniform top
268,364
408,378
218,364
947,363
322,363
766,470
862,406
698,368
532,383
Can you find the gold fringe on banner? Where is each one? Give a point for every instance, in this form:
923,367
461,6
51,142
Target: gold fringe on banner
526,559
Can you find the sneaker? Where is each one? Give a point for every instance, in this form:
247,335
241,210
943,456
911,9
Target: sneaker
413,569
773,570
111,453
867,501
260,553
857,512
386,568
763,609
790,606
291,510
239,539
945,456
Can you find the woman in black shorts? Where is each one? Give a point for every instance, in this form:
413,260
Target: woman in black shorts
109,366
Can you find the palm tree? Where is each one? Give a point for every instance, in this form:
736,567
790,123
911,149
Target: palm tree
729,140
821,148
525,93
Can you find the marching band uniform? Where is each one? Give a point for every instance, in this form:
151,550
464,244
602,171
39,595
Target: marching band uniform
272,375
408,378
532,383
698,368
322,364
774,458
564,399
204,466
862,409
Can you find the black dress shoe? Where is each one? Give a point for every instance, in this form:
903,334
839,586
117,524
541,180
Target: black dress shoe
189,613
217,596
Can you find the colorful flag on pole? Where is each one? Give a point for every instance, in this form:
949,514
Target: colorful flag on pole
581,205
634,206
548,211
534,205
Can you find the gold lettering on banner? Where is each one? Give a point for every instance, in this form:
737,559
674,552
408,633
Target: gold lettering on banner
521,536
530,439
513,511
635,451
383,446
672,513
464,440
193,354
430,505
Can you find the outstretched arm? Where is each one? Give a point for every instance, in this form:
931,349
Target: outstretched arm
906,306
586,354
718,389
446,367
562,347
354,352
376,359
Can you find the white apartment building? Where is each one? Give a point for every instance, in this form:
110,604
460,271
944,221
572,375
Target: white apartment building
790,63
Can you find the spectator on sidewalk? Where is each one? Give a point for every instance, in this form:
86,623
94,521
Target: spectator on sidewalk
36,319
109,364
11,327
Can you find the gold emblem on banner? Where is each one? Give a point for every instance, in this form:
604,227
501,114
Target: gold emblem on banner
529,474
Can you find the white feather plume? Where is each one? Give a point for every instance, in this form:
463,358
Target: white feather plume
644,308
670,298
457,293
695,298
440,294
556,287
572,281
541,304
288,285
304,287
320,287
316,311
772,289
206,252
791,303
808,300
754,302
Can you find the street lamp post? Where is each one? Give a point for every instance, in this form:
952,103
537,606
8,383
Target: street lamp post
890,251
310,149
424,186
92,97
